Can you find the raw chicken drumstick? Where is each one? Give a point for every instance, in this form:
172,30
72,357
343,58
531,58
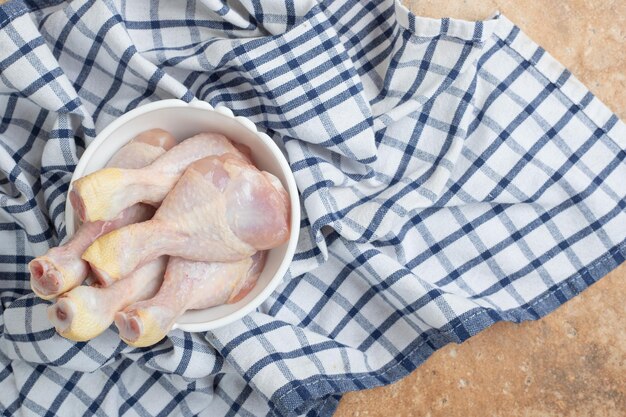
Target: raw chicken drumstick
187,285
85,312
105,193
135,154
223,209
61,268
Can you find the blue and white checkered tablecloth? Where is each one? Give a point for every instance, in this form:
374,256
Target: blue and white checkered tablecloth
452,175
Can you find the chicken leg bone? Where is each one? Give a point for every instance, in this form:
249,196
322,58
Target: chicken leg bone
223,209
62,268
85,312
187,285
105,193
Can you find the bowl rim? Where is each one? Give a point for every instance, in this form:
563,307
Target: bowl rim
265,139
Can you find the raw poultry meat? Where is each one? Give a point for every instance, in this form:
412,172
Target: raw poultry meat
85,312
218,215
105,193
223,209
135,154
187,285
62,268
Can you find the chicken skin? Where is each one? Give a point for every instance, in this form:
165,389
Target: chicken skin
86,311
62,268
105,193
187,285
223,209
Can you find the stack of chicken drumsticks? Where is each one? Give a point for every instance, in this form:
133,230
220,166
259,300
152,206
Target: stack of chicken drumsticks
166,227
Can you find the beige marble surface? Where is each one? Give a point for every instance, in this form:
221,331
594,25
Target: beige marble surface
573,362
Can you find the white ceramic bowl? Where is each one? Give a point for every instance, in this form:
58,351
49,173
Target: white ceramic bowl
184,120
